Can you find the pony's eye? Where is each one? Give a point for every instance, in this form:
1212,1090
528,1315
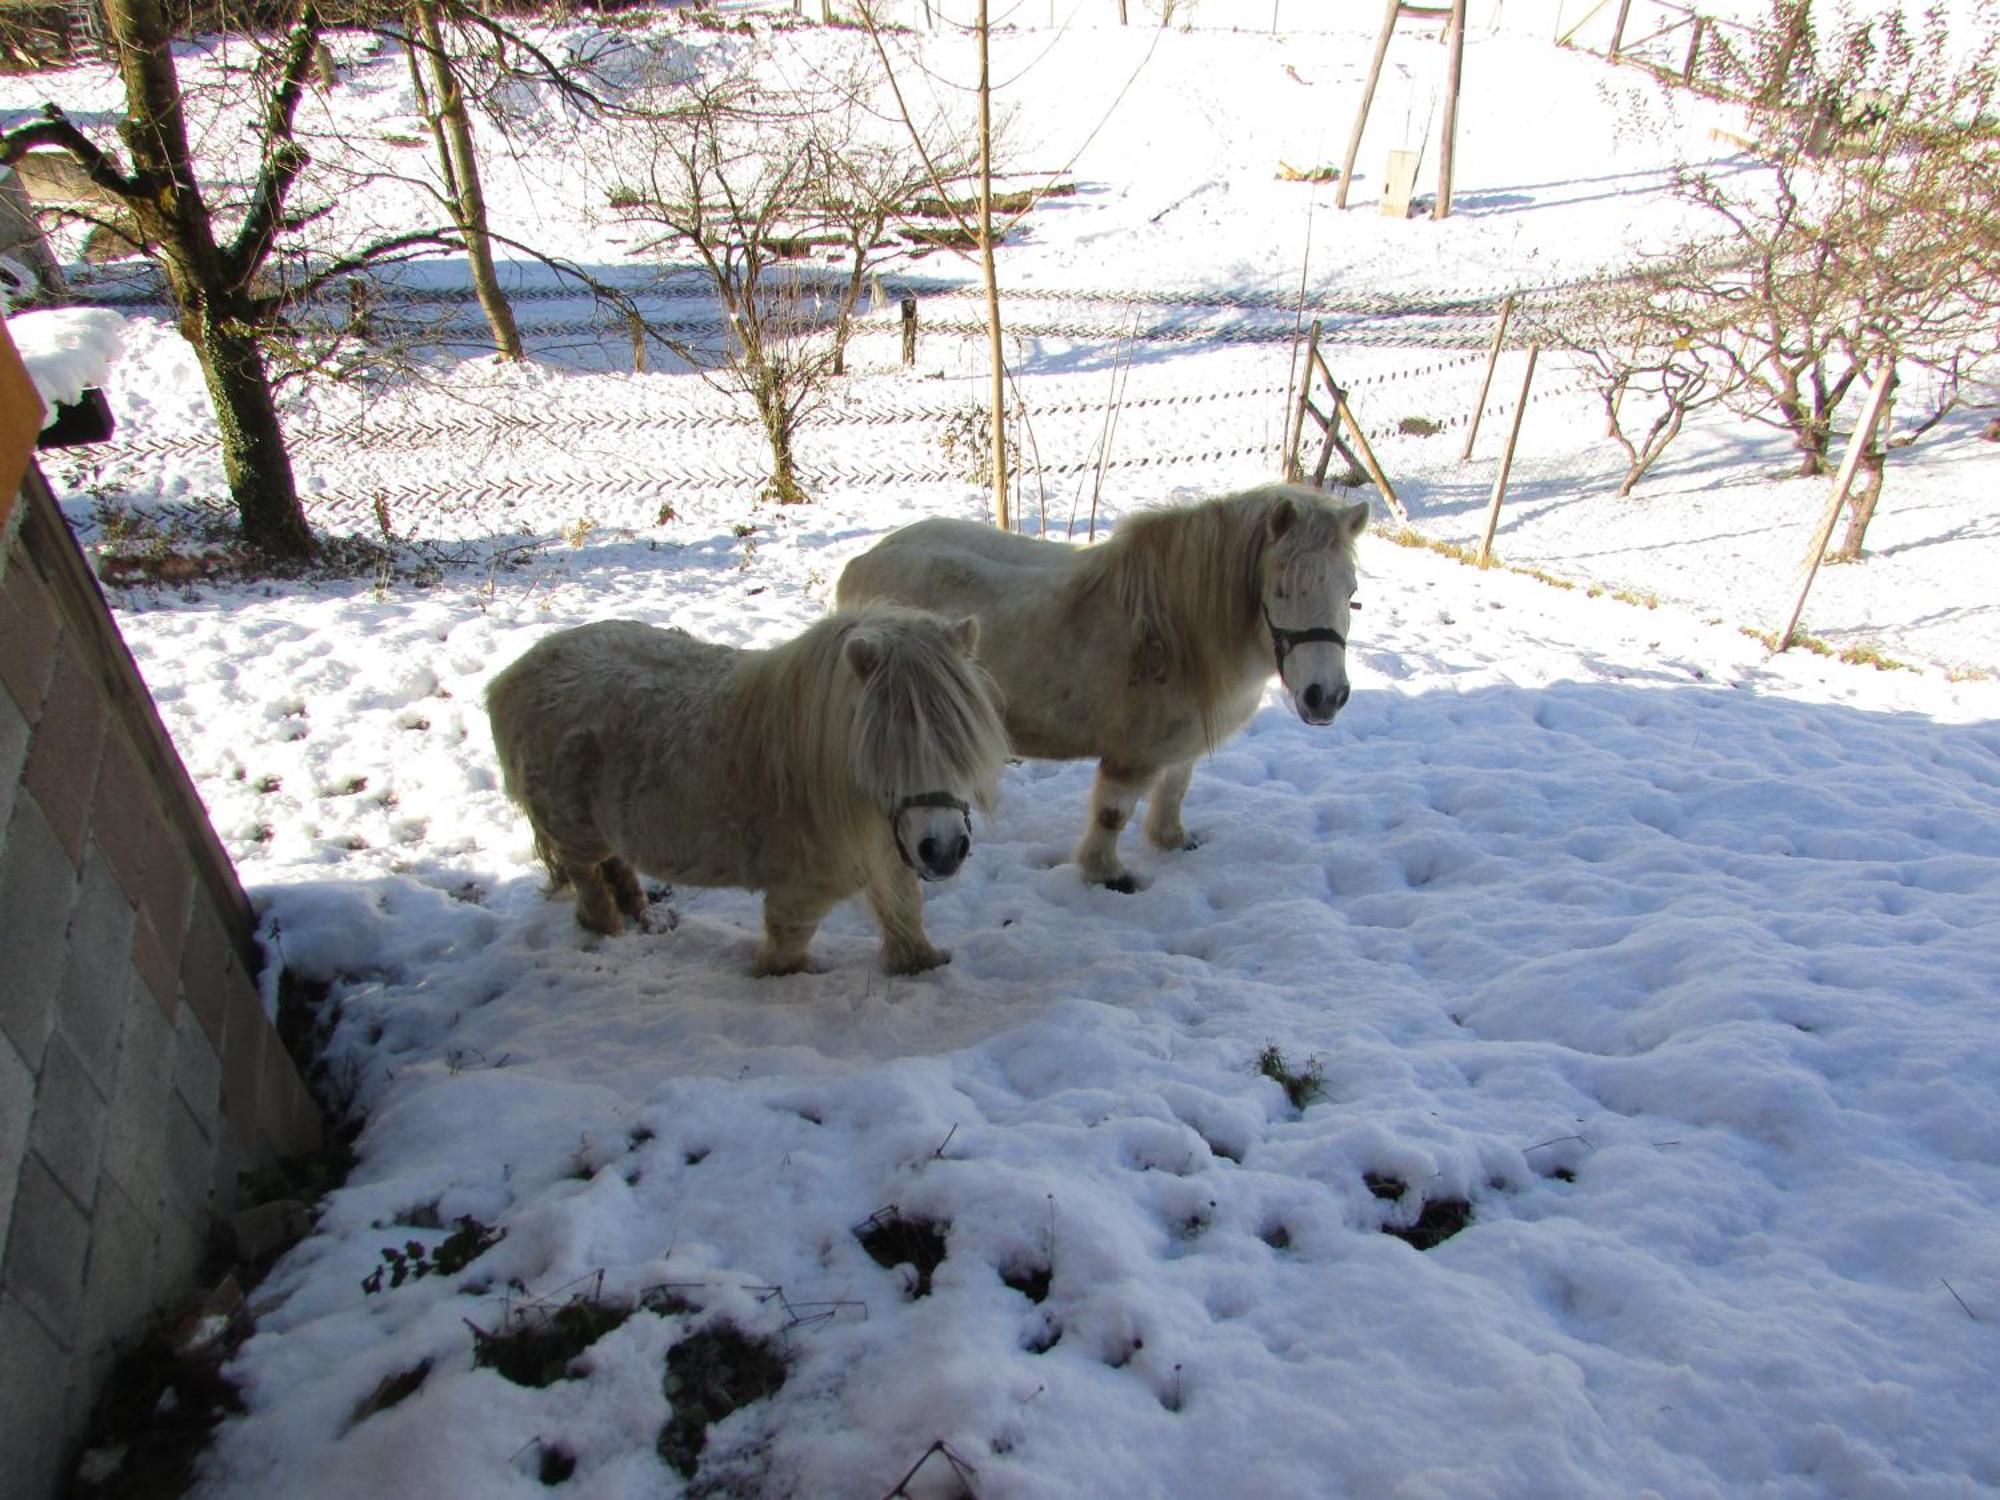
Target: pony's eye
1354,604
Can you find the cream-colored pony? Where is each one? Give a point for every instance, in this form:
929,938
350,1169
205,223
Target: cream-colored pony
841,761
1149,648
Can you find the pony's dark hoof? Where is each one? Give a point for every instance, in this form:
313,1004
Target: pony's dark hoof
1124,885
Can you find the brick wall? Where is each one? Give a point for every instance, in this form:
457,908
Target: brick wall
138,1074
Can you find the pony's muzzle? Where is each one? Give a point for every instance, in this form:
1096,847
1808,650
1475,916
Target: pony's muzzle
933,833
1319,702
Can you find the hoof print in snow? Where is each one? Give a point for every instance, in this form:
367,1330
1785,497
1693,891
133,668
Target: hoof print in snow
1031,1282
892,1241
554,1464
1043,1338
1121,1355
1440,1220
709,1375
1385,1187
389,1390
1278,1237
541,1344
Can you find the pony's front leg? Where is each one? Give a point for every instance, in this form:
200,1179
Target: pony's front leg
897,899
1163,808
1113,797
791,917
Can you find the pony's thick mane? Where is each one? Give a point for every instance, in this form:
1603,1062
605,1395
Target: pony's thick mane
923,719
1187,577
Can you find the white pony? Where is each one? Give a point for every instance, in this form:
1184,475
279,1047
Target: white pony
841,761
1149,648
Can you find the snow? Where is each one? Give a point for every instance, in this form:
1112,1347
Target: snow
1672,958
67,350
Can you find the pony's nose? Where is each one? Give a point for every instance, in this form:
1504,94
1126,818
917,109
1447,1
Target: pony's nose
942,857
1322,703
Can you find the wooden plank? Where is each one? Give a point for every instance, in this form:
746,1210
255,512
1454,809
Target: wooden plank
1369,466
1448,143
1486,384
1399,184
1507,461
20,422
1367,99
1850,464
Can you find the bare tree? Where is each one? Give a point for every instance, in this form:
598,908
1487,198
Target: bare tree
1650,377
748,175
1861,231
214,255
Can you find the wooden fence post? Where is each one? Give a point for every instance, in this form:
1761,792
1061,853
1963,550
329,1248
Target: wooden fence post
1486,384
1618,30
1694,50
1857,445
909,330
1454,71
1367,99
1507,461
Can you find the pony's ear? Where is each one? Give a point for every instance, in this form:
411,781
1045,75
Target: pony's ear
965,634
1355,520
1282,517
863,654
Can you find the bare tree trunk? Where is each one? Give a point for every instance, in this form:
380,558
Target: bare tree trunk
768,392
997,395
451,126
207,283
254,457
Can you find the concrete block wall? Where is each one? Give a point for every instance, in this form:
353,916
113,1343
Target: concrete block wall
138,1075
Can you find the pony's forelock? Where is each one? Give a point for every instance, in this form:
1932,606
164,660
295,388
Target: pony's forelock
910,713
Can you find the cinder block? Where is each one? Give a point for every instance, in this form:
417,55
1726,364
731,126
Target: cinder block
63,751
243,1046
29,626
34,1438
91,1002
17,1111
198,1071
13,751
168,884
70,1113
286,1114
205,965
46,1246
124,813
160,972
135,1136
183,1243
190,1166
118,1285
37,885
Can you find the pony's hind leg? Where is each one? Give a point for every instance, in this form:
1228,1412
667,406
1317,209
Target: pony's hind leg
790,920
1113,797
1163,808
897,900
625,888
596,904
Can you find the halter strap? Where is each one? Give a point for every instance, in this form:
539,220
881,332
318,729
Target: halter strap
924,799
1285,641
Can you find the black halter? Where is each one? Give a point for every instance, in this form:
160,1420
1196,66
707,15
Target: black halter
924,799
1285,641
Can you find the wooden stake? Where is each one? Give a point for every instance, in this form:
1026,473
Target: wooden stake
1618,31
1368,461
1486,384
1454,71
1850,463
1367,99
1507,461
1694,50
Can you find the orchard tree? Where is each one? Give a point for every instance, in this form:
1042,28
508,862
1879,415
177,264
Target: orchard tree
1859,234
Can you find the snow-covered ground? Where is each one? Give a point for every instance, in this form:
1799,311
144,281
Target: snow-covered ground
1672,961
